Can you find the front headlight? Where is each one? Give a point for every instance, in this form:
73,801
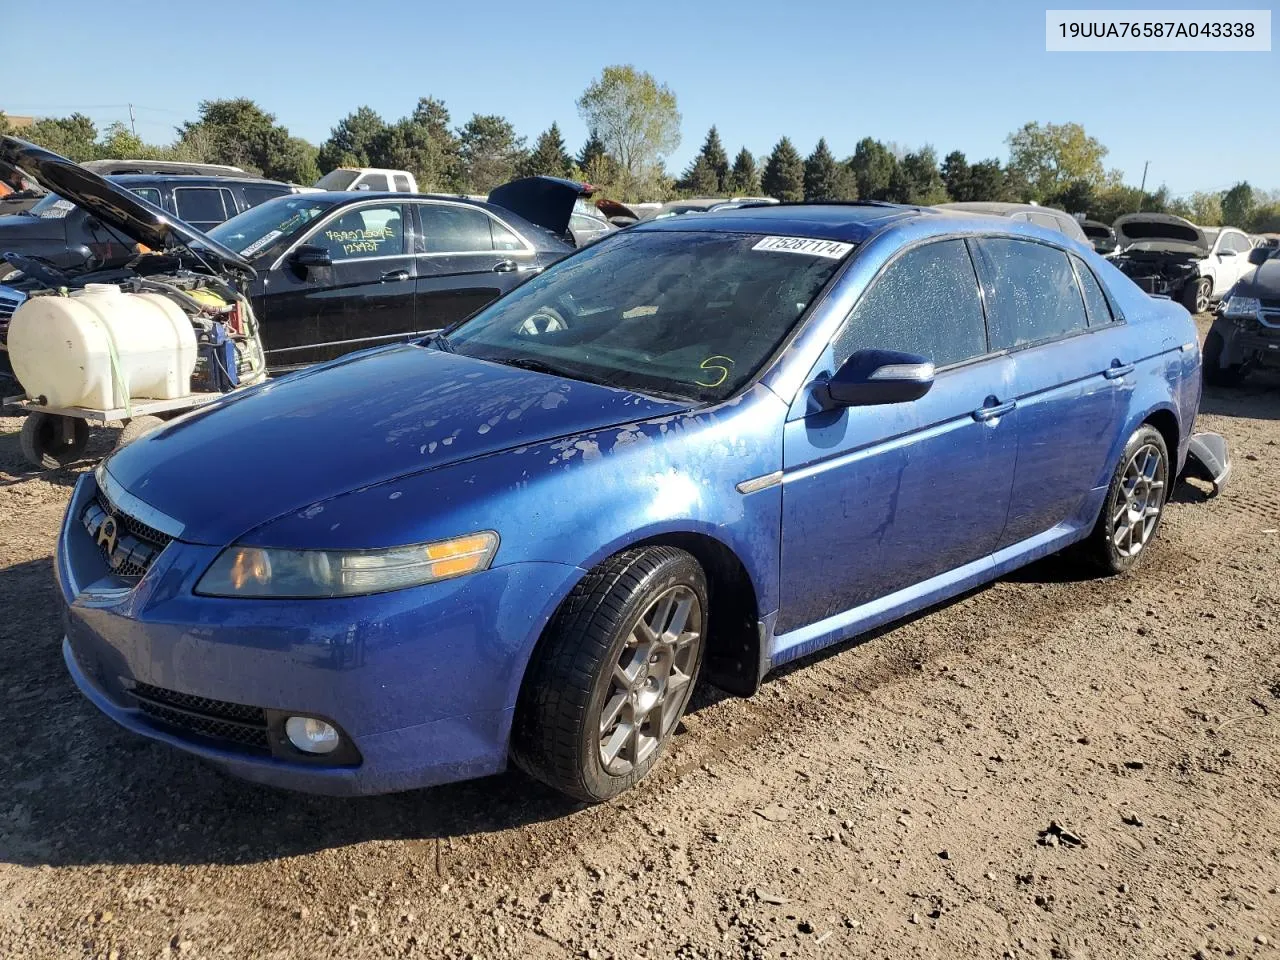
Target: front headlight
268,572
1244,308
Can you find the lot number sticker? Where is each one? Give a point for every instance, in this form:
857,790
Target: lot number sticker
831,249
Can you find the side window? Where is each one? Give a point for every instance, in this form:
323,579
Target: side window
926,302
1032,293
374,231
1095,300
453,228
373,181
201,206
402,183
1236,242
256,195
229,201
504,239
149,194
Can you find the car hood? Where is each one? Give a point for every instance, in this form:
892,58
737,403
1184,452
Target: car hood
1157,230
366,419
111,203
1262,282
546,201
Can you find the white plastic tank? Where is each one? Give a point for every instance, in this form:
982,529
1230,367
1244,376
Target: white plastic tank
60,347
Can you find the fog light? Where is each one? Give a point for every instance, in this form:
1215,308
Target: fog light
311,735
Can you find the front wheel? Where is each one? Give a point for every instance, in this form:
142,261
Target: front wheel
1134,505
613,674
1195,296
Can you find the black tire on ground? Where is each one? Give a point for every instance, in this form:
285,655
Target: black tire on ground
1211,367
136,428
1128,503
50,441
601,636
1195,296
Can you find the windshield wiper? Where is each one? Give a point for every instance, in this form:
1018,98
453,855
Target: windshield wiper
537,366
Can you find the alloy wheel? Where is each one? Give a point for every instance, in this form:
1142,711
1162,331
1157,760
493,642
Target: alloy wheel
651,680
1202,296
1140,501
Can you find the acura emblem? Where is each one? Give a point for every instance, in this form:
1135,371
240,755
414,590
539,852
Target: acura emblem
107,534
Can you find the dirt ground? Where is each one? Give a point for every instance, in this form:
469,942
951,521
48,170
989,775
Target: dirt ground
1047,767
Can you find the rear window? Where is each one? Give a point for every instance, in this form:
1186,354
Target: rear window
1095,299
256,195
201,206
447,228
1032,293
337,180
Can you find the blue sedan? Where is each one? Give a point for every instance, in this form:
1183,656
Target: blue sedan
702,446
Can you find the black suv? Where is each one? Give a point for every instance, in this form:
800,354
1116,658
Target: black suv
66,236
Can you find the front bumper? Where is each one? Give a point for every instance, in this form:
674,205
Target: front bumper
423,681
1209,459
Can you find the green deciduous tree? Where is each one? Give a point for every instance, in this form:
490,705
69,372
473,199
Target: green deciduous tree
825,178
744,178
783,177
74,137
1049,156
549,156
241,133
987,181
917,179
490,152
873,166
1237,205
637,120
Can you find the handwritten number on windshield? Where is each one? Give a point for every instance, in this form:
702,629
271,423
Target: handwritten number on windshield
718,372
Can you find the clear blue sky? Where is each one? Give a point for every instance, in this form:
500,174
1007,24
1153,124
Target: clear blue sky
952,74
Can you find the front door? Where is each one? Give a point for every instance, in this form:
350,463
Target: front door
878,499
364,298
466,258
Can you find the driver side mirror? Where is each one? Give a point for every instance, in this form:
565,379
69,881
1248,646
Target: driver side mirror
1226,253
311,255
875,377
1258,255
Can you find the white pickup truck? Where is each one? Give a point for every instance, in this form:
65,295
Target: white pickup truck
368,178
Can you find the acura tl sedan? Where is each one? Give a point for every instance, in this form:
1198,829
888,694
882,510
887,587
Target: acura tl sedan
701,446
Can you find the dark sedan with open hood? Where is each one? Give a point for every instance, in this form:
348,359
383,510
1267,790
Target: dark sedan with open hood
329,273
1247,334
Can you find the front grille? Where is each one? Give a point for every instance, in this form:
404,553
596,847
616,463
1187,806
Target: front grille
9,300
134,546
235,723
1271,304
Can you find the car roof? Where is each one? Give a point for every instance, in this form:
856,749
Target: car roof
851,222
185,180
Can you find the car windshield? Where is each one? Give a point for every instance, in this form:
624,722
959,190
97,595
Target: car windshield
253,231
337,179
685,314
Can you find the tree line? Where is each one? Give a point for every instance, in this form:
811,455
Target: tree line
634,124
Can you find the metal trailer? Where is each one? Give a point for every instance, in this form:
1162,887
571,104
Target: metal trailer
56,436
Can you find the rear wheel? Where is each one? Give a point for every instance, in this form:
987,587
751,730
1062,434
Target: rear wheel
50,440
1134,505
1215,374
613,674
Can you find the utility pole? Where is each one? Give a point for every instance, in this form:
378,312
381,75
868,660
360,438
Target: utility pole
1142,190
133,124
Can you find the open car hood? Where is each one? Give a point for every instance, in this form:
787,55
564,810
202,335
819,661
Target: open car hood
546,201
112,204
1159,228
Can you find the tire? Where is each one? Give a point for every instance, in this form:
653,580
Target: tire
1195,296
1215,374
603,633
50,441
137,427
1139,485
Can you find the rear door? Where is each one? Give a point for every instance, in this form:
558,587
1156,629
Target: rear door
363,299
879,499
1067,383
466,258
204,207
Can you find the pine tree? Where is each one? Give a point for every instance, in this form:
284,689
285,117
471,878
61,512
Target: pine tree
744,178
783,177
549,157
825,179
700,179
592,152
713,152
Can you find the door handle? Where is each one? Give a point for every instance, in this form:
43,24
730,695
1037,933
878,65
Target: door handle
992,409
1117,370
504,266
393,276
